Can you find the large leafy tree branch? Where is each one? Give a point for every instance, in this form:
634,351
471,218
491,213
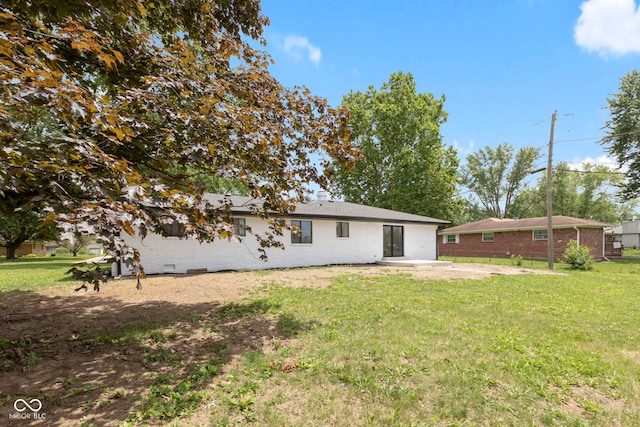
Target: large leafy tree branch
623,132
134,89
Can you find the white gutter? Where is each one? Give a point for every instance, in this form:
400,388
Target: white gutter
578,236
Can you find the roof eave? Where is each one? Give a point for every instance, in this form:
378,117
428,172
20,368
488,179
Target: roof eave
353,218
530,228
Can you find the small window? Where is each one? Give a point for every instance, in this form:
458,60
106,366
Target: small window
488,237
239,224
539,234
301,232
342,229
175,229
451,238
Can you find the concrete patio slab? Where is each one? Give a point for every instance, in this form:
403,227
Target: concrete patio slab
416,263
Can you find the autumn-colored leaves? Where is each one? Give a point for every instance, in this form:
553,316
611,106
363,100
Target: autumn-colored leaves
99,97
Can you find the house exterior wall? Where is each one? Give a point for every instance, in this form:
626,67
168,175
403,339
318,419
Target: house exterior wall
26,248
631,234
629,227
631,240
516,243
363,246
612,245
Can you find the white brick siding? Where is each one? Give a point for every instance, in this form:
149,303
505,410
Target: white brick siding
363,246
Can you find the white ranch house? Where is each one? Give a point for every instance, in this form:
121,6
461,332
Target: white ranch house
333,232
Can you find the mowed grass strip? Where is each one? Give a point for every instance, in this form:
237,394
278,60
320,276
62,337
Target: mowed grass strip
29,273
561,350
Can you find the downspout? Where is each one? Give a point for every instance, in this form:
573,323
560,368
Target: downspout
438,228
577,234
604,245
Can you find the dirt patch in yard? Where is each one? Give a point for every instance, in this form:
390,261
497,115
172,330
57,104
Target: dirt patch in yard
93,357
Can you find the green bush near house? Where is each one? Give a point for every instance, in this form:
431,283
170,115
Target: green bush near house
516,260
578,256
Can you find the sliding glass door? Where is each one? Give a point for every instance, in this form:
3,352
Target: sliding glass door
393,240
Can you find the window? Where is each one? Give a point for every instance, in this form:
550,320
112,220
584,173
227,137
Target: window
175,229
301,232
451,238
393,240
239,224
342,229
539,234
488,237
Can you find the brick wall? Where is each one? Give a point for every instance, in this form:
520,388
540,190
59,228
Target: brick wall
517,243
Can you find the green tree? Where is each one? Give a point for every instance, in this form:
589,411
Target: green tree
494,177
623,132
74,240
204,181
18,226
135,88
404,165
589,193
532,202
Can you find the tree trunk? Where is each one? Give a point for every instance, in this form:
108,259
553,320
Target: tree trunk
11,250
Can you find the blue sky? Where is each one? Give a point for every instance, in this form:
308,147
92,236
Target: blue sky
504,66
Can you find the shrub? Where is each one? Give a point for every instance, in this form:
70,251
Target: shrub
578,256
31,256
516,260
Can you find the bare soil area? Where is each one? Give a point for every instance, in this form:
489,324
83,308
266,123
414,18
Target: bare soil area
75,353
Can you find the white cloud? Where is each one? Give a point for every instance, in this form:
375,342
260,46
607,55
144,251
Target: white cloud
609,27
297,46
604,160
464,150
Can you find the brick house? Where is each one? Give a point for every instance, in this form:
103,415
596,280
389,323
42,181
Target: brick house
527,237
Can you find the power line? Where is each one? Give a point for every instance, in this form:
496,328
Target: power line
600,138
602,173
581,139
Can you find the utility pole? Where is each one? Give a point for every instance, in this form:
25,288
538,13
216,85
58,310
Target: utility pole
549,195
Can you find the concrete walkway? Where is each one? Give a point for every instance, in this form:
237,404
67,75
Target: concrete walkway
417,263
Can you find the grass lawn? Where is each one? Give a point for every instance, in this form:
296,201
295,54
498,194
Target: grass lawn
510,350
524,350
528,262
28,273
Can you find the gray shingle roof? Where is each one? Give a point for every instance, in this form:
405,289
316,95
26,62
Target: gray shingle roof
331,209
506,224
